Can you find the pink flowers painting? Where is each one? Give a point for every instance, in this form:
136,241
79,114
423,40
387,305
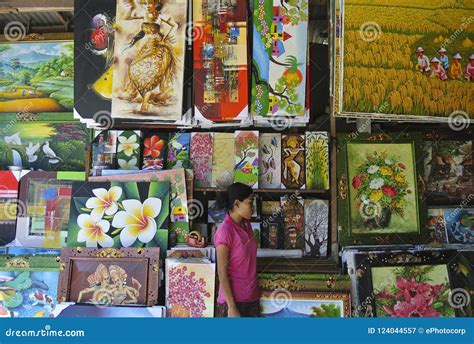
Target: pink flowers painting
190,289
416,292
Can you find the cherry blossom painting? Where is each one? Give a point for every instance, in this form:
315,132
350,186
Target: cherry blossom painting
412,291
190,288
201,158
119,214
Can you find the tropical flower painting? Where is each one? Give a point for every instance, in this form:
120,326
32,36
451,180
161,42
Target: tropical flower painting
154,151
190,288
119,214
412,291
128,150
382,188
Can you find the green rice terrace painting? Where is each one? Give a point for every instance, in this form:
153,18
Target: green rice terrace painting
37,77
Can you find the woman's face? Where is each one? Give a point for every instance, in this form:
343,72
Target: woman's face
244,208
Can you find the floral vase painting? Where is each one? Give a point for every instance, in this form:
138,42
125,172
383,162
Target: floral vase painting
119,214
190,288
383,197
412,291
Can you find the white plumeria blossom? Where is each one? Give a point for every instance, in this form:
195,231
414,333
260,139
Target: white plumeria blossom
388,161
128,165
104,202
137,221
93,231
376,184
372,169
128,145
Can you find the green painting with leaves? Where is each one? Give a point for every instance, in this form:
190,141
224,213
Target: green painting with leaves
119,214
279,58
317,160
382,188
412,291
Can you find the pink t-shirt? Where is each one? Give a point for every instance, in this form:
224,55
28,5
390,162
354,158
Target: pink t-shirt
242,266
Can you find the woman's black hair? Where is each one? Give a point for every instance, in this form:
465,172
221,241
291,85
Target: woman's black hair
235,192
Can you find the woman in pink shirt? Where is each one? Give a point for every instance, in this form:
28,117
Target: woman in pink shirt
237,255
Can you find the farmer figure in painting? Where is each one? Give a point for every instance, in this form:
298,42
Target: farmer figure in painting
237,255
456,69
437,70
423,60
470,68
443,58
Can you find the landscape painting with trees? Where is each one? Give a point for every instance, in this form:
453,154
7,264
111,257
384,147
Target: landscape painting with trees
37,77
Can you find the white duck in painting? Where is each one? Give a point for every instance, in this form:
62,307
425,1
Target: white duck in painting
13,139
31,152
53,158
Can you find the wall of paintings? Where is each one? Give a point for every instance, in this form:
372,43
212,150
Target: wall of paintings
353,130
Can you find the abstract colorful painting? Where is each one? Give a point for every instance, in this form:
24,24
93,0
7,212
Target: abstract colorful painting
378,189
436,227
305,304
460,225
119,214
28,286
154,151
222,161
293,161
94,56
196,300
178,151
246,158
316,226
37,77
104,151
8,205
317,160
412,291
448,170
418,66
43,218
176,179
109,277
220,59
201,158
294,231
269,161
215,214
46,146
128,150
148,70
280,40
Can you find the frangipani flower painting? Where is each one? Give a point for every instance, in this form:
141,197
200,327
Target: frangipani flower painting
382,188
119,214
412,291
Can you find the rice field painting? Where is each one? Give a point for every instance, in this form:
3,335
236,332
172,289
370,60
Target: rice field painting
37,77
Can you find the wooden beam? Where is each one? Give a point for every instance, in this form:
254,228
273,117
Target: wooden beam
10,6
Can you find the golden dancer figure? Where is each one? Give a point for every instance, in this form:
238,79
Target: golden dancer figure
99,283
292,169
152,71
120,290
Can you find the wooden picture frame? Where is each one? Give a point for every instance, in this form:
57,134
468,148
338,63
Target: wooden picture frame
104,273
278,303
447,274
380,189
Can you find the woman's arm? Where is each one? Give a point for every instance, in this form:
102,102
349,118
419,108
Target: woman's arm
222,262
